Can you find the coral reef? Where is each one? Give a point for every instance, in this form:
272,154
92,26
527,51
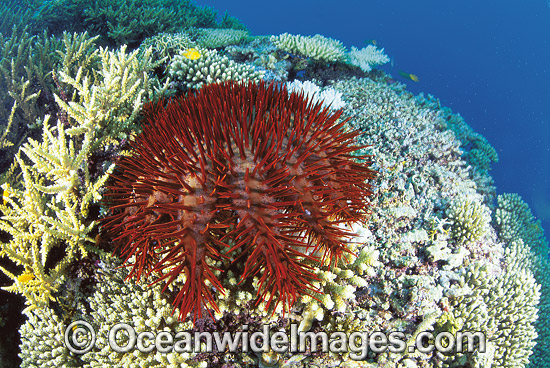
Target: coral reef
165,46
42,341
26,62
47,211
110,99
113,301
435,255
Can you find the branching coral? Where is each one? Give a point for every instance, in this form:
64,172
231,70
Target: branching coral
502,306
42,341
26,62
50,210
114,301
243,171
516,224
108,102
166,45
328,97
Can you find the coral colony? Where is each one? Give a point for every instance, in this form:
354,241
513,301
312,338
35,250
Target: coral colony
244,173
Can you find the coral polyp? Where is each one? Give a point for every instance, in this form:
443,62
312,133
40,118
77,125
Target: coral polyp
237,174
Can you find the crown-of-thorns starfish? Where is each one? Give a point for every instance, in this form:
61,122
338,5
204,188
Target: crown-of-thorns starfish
237,173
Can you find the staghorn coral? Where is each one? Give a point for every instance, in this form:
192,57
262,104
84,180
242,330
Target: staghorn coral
208,68
14,14
241,167
318,47
26,62
108,101
49,211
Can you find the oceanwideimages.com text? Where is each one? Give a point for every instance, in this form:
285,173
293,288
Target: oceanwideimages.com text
80,338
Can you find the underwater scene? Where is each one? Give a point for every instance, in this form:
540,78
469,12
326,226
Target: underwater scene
285,184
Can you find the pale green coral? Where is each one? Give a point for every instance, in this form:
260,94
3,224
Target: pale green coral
500,303
336,289
123,21
114,301
338,285
14,13
469,219
142,307
516,223
317,47
42,343
477,151
208,68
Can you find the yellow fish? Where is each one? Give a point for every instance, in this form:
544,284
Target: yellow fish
26,277
191,54
412,77
6,193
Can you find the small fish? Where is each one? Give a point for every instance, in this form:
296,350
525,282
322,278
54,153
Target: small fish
412,77
191,54
24,278
373,42
6,193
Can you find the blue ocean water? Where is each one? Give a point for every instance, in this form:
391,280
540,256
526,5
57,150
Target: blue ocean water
487,60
